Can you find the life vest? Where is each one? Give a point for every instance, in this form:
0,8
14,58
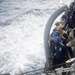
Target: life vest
60,51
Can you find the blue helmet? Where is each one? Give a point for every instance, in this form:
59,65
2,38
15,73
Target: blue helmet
56,33
57,40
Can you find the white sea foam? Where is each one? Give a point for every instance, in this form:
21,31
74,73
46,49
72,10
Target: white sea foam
22,24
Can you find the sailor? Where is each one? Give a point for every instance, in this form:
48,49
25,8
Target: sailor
72,42
71,6
62,32
69,20
73,17
61,53
70,17
65,38
71,48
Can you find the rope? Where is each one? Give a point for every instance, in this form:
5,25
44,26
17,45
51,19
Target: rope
43,69
46,68
51,71
33,71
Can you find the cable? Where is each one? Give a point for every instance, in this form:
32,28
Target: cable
33,71
43,69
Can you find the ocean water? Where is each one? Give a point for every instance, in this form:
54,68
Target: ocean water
22,24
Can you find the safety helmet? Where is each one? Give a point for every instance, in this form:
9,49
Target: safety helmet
60,27
56,33
57,40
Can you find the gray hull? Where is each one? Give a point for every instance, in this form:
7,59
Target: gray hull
48,50
49,24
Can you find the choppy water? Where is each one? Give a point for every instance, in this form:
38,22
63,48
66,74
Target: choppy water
22,24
